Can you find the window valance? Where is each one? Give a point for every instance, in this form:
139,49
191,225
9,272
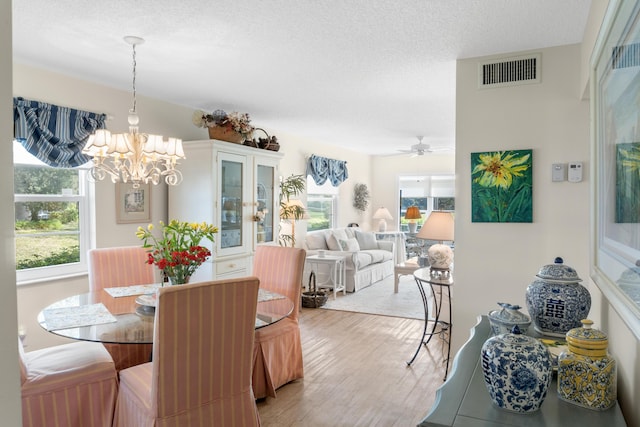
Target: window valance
322,168
55,135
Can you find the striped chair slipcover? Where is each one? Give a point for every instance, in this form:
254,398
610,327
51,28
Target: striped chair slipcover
122,266
278,349
202,355
71,385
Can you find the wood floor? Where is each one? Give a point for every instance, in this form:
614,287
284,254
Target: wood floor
356,373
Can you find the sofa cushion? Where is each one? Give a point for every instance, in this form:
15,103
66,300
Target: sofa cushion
316,241
367,257
349,245
366,240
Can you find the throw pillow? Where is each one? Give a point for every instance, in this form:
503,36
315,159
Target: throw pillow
332,242
349,245
366,240
316,241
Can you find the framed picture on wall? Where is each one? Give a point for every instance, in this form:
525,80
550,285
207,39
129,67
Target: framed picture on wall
133,204
502,186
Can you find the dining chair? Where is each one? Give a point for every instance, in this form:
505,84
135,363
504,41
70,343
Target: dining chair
278,348
122,266
72,385
202,358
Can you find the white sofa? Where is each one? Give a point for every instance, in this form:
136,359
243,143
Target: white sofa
367,260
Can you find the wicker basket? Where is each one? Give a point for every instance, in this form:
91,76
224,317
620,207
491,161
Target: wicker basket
313,298
225,134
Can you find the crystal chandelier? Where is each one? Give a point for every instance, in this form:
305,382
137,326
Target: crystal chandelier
134,157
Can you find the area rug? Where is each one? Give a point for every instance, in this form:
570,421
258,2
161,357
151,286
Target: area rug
380,299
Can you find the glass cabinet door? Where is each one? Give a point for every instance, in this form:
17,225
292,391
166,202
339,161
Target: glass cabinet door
265,204
231,177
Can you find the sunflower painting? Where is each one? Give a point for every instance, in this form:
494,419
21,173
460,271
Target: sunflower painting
501,186
628,182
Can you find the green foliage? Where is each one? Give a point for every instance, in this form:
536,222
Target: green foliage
65,255
290,187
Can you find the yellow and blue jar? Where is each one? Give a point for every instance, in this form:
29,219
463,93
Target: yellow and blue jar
586,371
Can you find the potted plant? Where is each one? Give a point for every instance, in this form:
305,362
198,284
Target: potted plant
289,188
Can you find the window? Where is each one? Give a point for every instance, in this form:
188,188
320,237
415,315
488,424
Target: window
52,218
428,192
322,201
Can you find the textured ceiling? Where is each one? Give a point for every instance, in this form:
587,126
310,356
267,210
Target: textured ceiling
370,75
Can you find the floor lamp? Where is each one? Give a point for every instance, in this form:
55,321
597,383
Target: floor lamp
439,226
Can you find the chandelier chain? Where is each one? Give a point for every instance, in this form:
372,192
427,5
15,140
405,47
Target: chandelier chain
134,78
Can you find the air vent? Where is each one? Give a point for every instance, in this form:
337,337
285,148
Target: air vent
625,56
509,71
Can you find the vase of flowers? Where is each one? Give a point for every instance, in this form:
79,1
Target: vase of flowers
177,253
231,127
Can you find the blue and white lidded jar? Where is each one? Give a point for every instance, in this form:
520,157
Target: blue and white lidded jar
586,371
556,300
517,371
502,321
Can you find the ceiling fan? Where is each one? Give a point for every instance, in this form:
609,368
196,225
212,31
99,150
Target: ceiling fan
418,149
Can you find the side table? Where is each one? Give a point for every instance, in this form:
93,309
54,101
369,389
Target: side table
437,285
336,275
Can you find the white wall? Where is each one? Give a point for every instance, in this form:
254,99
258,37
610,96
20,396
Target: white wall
9,371
496,262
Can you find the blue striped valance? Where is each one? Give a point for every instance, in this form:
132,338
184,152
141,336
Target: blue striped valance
55,135
321,169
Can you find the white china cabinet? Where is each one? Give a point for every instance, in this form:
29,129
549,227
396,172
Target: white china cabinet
234,187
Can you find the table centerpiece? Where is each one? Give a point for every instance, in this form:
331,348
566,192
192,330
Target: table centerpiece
177,253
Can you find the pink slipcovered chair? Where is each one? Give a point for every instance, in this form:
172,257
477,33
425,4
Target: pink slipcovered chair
71,385
278,349
202,355
122,266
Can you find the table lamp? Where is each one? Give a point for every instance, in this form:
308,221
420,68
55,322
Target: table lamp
382,214
411,215
438,226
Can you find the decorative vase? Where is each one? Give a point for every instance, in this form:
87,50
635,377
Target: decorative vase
225,133
586,372
178,280
556,301
517,371
502,321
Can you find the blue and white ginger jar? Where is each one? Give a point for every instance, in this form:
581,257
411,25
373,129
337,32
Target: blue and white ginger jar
556,301
517,371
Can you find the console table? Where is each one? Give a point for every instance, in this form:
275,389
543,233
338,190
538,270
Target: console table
463,401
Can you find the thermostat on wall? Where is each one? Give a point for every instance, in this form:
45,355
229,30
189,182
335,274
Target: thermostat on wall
575,171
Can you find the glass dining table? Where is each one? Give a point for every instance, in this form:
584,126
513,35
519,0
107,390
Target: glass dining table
125,315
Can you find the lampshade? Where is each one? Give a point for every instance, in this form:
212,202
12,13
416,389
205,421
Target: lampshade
413,212
382,215
438,226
